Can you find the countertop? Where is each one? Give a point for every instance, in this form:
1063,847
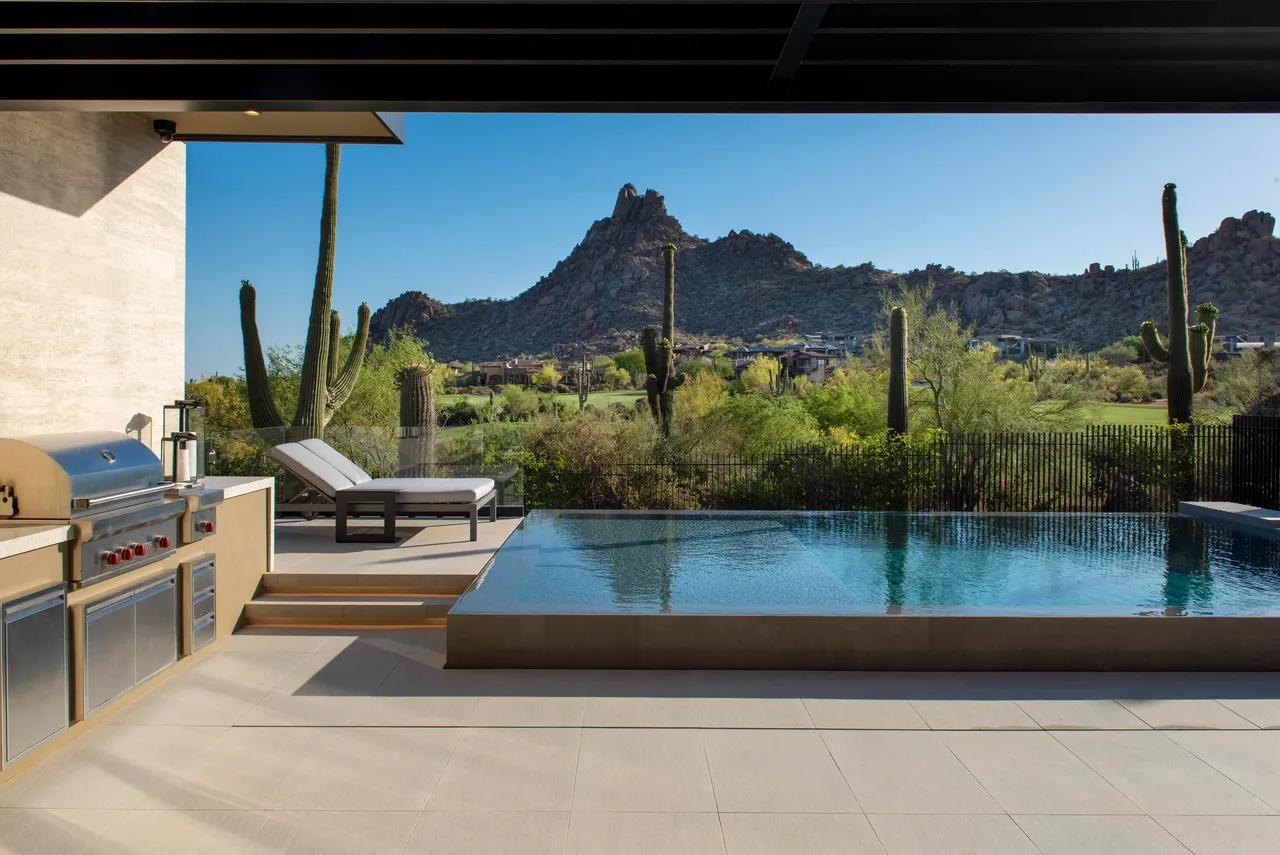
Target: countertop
17,537
238,485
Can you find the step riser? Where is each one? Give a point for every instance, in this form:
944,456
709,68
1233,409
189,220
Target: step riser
346,623
426,584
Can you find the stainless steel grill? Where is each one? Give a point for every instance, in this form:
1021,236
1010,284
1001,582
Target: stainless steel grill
108,487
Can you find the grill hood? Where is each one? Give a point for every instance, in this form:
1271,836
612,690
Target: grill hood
47,472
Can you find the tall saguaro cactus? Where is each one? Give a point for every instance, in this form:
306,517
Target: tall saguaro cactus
659,353
584,381
325,384
417,420
898,371
1190,346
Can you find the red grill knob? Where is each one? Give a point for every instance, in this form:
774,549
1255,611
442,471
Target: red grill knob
207,528
111,558
162,542
139,549
126,554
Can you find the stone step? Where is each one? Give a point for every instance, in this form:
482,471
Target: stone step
346,610
432,584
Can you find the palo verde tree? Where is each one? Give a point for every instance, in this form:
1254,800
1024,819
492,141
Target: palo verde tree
659,353
1190,346
324,384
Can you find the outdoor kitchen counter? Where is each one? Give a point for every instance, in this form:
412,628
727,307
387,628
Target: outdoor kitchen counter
17,538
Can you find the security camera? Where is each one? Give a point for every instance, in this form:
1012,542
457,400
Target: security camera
165,129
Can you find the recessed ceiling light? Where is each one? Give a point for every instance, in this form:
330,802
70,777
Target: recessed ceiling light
252,113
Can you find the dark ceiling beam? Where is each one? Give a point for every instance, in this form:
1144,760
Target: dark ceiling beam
808,17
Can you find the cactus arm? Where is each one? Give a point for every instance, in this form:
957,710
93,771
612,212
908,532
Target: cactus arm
898,371
337,394
652,356
262,403
652,393
313,394
1151,341
677,381
1200,344
335,338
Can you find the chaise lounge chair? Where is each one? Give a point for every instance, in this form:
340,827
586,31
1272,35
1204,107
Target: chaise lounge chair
344,489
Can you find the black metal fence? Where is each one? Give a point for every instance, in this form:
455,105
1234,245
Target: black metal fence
1103,469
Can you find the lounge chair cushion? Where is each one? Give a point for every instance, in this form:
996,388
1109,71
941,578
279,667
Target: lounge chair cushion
432,491
330,455
304,463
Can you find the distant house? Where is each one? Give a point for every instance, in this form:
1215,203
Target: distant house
1010,345
503,372
798,360
1233,345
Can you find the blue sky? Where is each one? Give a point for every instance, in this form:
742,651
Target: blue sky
484,205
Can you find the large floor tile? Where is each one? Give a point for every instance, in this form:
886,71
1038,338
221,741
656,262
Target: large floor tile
1159,776
1033,773
1225,835
384,711
862,714
643,770
247,768
644,834
792,833
1082,715
752,712
218,691
344,673
111,767
1263,712
974,715
262,639
285,710
1250,758
335,833
906,772
526,712
24,831
507,769
950,835
775,771
201,832
640,712
490,833
1099,835
1187,715
374,768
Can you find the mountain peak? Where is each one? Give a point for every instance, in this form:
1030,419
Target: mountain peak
631,207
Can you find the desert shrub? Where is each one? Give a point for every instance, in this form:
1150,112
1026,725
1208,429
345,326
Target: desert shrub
519,405
459,413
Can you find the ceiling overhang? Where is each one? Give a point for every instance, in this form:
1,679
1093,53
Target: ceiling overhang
285,126
642,56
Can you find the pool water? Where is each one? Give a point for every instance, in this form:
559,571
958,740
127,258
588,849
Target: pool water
575,562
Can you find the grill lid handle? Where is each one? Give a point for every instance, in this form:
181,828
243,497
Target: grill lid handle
83,504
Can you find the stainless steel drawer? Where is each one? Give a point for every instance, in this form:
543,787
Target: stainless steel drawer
202,606
202,578
157,628
203,632
36,685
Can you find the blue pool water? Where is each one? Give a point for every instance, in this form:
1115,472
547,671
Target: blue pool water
567,562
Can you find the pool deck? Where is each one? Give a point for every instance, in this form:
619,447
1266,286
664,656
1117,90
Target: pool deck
303,741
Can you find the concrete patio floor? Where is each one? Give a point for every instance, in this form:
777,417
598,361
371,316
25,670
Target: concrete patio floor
306,741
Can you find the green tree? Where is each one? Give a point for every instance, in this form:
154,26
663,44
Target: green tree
760,375
546,377
630,361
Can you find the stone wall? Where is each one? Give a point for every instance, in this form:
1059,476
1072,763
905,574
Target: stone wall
92,272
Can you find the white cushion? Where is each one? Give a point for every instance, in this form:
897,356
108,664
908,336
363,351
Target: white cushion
330,455
432,491
309,467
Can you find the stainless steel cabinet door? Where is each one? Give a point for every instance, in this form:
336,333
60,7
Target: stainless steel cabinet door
36,690
108,651
157,622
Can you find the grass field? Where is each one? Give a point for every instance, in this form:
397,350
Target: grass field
597,399
1131,414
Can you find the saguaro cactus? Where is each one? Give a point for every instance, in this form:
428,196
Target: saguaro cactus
659,353
1190,346
417,420
898,370
584,381
325,384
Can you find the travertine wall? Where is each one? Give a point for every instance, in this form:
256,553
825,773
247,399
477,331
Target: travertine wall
92,272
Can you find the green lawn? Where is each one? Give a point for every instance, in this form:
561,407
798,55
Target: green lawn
596,399
1131,414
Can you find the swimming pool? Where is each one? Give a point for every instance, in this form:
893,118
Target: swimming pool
770,577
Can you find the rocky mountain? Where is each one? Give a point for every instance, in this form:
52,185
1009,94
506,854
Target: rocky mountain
747,285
